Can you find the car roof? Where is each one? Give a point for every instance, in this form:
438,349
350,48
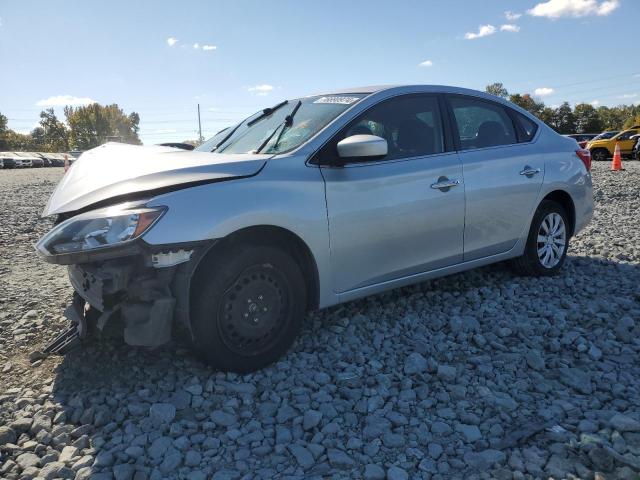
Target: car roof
359,90
424,88
410,87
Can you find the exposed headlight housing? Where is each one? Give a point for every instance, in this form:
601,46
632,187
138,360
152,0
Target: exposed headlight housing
98,230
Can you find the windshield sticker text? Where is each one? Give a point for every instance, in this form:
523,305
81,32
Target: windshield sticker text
339,100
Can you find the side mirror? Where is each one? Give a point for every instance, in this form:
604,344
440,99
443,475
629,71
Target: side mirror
362,146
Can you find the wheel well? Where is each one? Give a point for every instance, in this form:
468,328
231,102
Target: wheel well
279,237
564,199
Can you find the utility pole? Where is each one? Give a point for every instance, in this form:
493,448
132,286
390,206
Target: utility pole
199,126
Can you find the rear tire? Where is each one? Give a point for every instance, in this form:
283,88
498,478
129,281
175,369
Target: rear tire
599,154
547,243
248,307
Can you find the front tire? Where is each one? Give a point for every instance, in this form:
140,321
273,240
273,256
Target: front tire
248,307
547,243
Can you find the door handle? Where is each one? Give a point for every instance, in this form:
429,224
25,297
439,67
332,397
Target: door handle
530,172
443,183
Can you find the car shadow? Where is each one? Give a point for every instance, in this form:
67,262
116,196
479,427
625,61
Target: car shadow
351,364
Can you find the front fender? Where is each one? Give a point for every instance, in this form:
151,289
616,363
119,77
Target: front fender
286,194
606,145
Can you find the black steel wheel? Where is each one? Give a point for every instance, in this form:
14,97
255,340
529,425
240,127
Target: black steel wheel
247,307
254,311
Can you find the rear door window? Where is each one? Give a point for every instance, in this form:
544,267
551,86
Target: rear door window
481,124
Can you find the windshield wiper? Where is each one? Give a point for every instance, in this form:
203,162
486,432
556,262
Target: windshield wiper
267,111
226,137
288,121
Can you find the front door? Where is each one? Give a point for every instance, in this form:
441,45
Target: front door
395,216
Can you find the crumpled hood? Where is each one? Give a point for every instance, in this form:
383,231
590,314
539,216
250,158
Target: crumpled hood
117,169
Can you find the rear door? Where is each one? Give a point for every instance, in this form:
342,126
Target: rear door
389,218
502,175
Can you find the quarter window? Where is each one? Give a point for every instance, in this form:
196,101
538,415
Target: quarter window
528,128
482,124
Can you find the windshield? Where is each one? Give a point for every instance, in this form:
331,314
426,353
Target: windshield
313,115
210,144
605,135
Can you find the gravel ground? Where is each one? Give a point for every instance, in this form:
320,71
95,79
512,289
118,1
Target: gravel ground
478,375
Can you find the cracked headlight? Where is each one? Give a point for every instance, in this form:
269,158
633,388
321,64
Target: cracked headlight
98,229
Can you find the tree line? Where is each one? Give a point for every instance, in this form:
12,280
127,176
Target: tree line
86,127
582,118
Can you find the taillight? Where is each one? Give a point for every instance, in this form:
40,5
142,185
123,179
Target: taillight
585,155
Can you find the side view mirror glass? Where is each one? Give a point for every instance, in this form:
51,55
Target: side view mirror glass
362,146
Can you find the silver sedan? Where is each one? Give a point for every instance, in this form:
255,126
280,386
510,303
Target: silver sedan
306,204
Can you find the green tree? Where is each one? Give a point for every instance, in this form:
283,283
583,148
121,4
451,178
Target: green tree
18,142
93,125
587,119
565,121
547,115
611,118
632,122
3,132
497,89
56,136
134,125
38,139
633,119
527,102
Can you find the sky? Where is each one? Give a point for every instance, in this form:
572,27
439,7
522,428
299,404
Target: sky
163,58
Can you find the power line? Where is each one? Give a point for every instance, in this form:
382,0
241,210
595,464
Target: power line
595,80
591,90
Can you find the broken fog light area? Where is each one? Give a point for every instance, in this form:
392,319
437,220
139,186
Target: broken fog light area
132,292
98,229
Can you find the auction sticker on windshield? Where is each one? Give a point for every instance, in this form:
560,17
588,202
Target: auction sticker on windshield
339,100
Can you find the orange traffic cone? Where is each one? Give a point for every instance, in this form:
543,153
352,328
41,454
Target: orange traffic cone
616,163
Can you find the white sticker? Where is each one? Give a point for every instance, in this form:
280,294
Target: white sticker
339,100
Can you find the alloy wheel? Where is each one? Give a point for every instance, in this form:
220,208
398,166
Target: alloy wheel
552,240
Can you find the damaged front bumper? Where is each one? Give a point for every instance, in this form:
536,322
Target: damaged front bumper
145,294
78,329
